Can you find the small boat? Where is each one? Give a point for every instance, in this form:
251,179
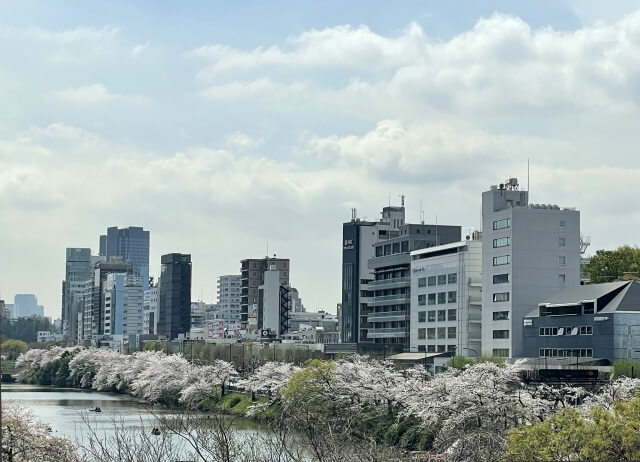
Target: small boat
95,409
155,431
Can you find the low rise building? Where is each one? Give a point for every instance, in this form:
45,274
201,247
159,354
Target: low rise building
589,321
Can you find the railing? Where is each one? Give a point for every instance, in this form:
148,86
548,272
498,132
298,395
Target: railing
389,282
388,316
387,332
385,299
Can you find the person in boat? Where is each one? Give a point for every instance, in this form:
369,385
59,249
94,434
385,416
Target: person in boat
96,409
155,431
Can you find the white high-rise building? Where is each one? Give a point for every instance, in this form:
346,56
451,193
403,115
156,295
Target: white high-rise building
150,316
230,298
529,251
446,298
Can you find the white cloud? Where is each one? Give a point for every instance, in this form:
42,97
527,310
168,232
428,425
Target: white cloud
60,37
140,48
239,140
92,94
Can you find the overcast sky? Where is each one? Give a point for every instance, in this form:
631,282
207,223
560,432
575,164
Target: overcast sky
218,127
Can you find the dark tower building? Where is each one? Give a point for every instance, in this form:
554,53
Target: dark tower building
174,314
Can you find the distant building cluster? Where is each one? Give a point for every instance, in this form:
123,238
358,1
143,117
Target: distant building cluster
109,300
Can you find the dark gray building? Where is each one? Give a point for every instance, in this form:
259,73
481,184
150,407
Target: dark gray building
358,240
591,321
131,244
252,275
174,313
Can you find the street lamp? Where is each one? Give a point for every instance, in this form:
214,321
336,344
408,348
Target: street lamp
471,349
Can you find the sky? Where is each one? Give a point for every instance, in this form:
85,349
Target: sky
224,127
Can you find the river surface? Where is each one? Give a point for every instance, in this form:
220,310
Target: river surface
66,410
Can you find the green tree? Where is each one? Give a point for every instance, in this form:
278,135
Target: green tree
25,329
626,368
12,348
459,362
608,265
567,435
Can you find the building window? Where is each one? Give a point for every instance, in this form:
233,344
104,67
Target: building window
387,249
498,334
588,308
422,333
563,223
405,246
500,224
442,279
501,278
562,242
431,281
442,315
501,352
441,348
452,278
422,348
451,315
451,296
562,260
562,279
442,331
432,316
431,333
501,260
422,316
501,297
422,282
586,330
396,247
451,332
442,298
500,315
452,348
431,299
501,242
379,251
431,348
422,300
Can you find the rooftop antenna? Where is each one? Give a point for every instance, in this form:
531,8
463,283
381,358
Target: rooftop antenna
528,194
421,213
389,199
402,200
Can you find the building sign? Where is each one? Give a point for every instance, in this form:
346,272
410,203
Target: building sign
215,329
347,244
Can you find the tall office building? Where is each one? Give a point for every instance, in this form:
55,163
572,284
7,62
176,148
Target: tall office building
252,276
124,305
386,318
528,253
93,319
26,305
358,239
79,268
174,313
131,244
230,298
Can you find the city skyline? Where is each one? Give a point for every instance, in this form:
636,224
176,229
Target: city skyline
220,134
